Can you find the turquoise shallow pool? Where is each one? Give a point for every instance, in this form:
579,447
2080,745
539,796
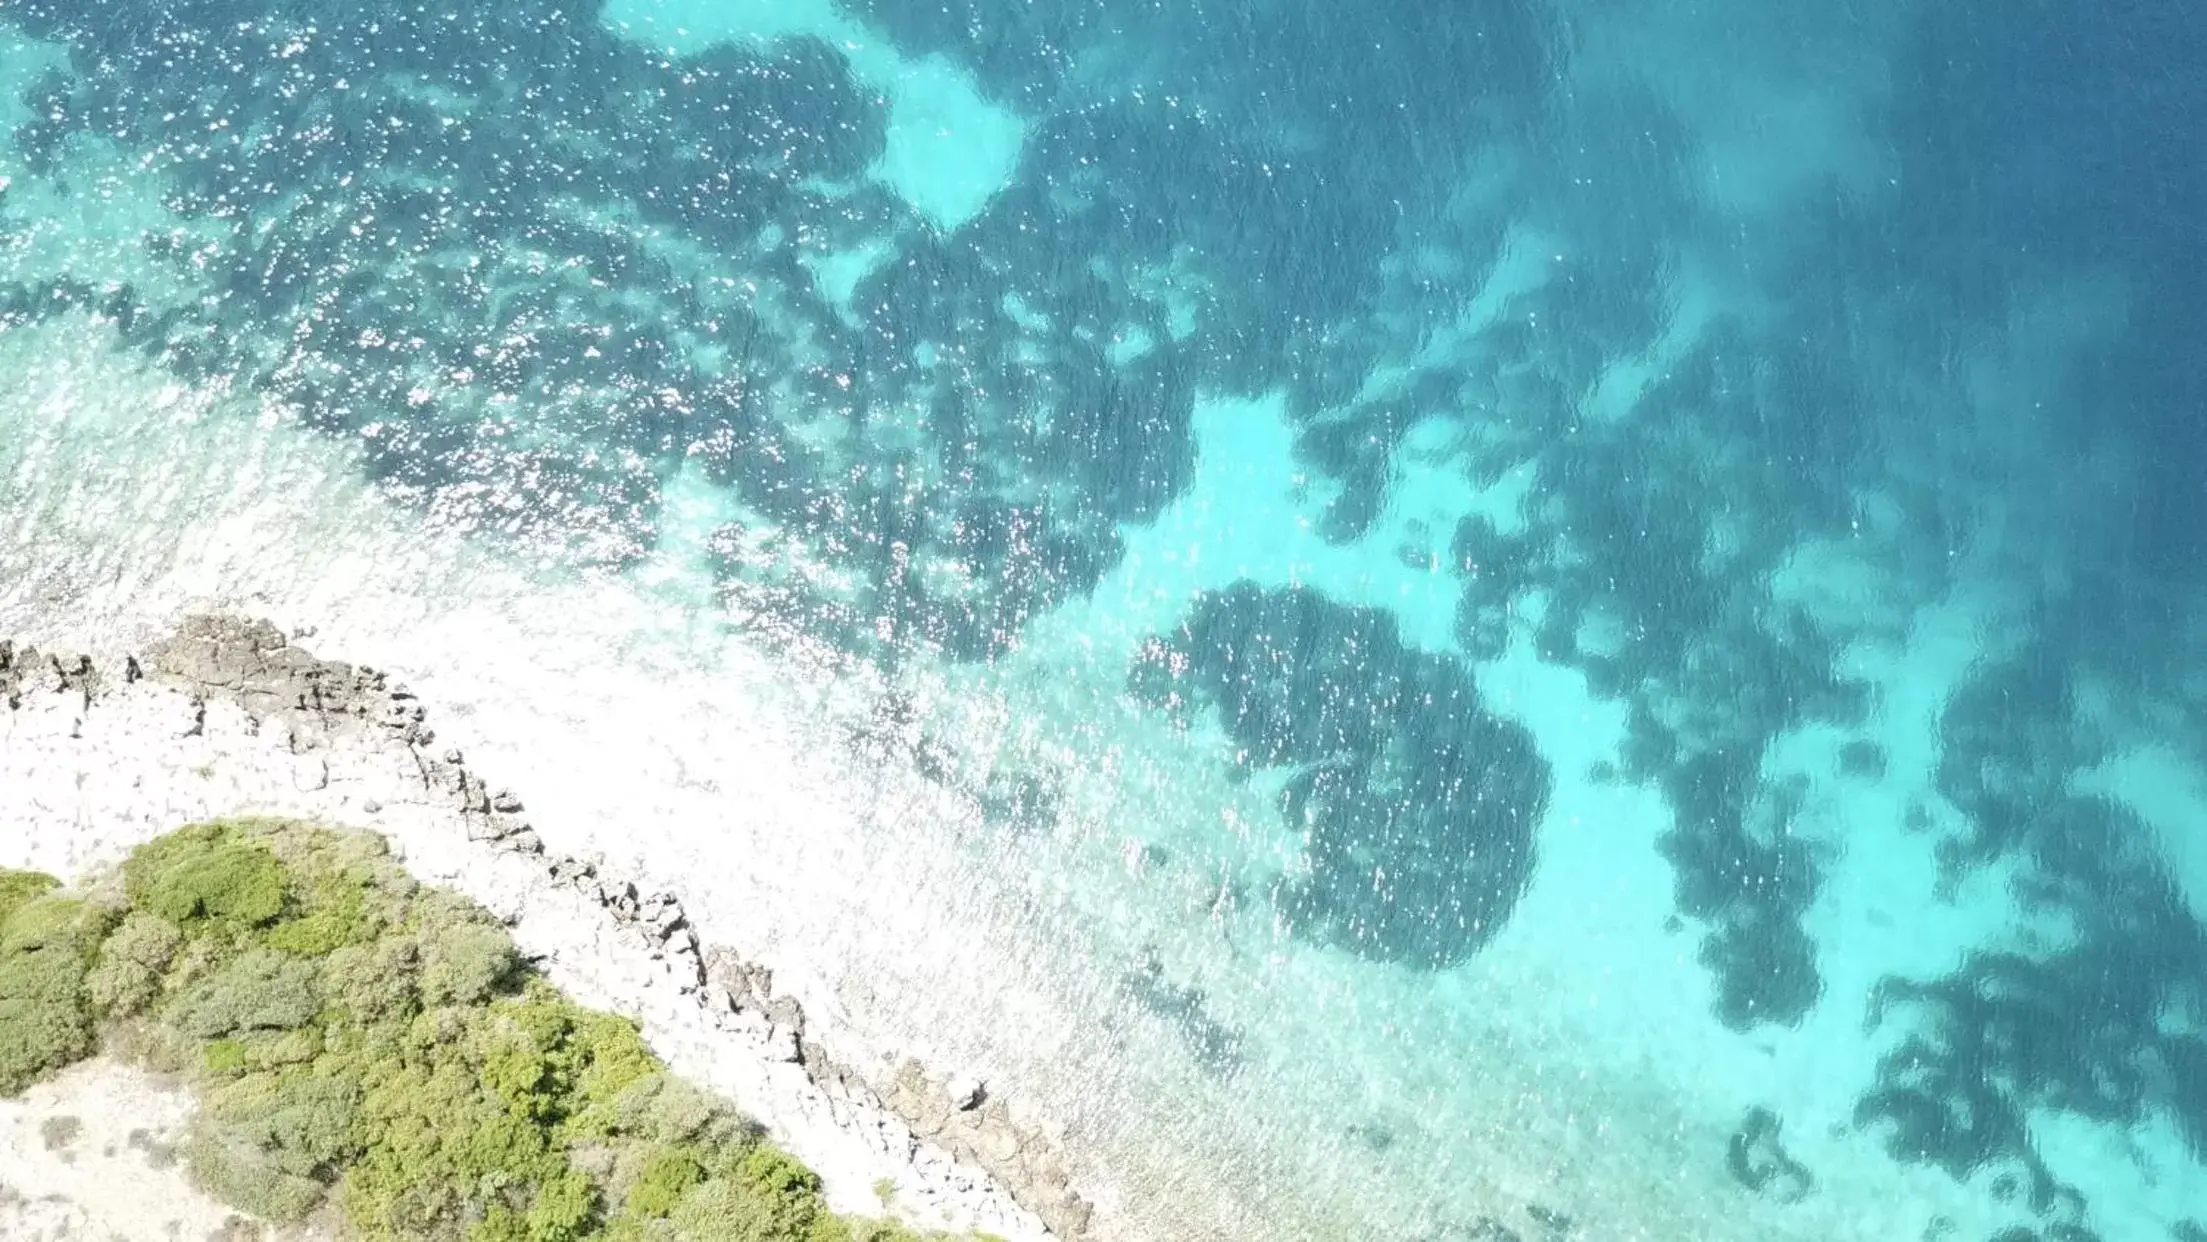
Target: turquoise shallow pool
1578,622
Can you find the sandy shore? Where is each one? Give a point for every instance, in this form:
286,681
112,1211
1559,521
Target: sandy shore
100,752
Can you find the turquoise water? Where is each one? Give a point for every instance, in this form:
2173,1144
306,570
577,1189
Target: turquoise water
1583,621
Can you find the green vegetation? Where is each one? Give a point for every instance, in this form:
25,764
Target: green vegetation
205,876
19,887
363,1040
47,946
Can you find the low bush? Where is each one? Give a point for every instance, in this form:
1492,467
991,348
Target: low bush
47,946
132,964
206,875
19,887
665,1174
259,990
360,1038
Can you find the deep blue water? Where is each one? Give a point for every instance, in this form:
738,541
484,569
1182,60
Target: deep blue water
1691,352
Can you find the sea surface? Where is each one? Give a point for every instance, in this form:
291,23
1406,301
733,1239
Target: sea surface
1532,620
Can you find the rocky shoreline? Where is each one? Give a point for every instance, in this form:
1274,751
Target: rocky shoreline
351,745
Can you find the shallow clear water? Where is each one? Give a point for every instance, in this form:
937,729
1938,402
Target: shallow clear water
1577,622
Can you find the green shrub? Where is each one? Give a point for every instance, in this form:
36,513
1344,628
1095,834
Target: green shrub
429,1135
335,912
276,1049
303,1120
759,1194
18,887
226,1057
737,1210
773,1174
659,1108
557,1063
869,1230
666,1173
462,964
55,921
562,1209
246,1178
268,1141
205,874
373,982
46,949
723,1210
38,1035
260,990
156,1045
128,975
